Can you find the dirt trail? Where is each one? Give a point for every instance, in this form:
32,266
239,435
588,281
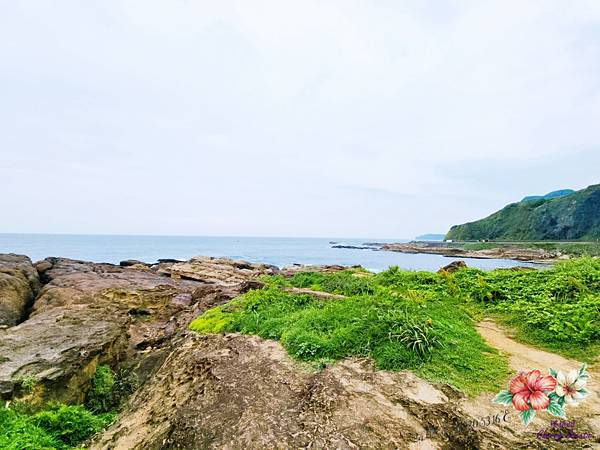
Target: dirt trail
524,358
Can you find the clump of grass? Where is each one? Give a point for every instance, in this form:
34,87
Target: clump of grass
56,427
417,337
346,282
27,383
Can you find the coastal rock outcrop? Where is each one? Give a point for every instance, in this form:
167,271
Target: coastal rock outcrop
453,267
57,351
235,391
89,313
219,391
19,283
220,271
453,250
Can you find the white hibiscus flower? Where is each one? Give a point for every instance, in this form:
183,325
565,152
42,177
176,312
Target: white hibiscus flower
571,386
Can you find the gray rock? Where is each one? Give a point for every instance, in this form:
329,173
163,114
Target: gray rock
19,283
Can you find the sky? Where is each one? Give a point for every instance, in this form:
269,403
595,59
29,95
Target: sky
291,118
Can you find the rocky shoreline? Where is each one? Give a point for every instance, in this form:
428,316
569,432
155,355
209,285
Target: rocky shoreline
533,255
63,318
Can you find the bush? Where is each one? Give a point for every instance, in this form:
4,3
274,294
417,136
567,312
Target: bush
57,427
18,431
109,389
70,424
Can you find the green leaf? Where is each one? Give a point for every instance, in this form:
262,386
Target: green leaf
527,416
582,369
553,372
556,409
503,398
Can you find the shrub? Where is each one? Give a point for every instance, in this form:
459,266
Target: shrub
109,389
56,427
69,424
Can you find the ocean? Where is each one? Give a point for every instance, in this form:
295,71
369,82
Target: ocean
277,251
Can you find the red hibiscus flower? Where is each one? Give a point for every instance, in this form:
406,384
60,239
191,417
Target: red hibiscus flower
530,389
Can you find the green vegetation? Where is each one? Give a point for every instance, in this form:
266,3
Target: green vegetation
109,389
27,384
423,321
59,426
574,216
568,248
557,309
404,320
56,427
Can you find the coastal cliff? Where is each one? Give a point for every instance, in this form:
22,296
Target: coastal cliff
564,215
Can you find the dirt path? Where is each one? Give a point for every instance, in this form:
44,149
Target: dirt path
524,358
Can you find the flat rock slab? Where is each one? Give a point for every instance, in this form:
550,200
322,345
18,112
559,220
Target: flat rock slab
221,271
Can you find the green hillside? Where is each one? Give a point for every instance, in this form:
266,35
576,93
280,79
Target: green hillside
571,217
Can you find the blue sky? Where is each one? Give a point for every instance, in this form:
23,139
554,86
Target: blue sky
281,118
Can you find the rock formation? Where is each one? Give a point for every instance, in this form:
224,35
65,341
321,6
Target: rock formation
19,283
89,313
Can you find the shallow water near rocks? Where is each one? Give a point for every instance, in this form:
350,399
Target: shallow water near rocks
276,250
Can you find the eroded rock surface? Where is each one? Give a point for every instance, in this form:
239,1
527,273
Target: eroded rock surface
501,252
19,283
59,351
234,391
88,313
220,271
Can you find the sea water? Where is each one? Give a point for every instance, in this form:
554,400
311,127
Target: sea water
271,250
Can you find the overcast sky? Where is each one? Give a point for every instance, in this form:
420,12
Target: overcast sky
291,118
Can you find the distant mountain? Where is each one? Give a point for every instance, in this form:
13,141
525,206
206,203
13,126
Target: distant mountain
430,237
553,194
573,216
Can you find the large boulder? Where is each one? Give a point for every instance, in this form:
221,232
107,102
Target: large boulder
56,352
19,283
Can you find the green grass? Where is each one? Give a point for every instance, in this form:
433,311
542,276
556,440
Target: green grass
423,321
556,309
56,427
385,325
576,249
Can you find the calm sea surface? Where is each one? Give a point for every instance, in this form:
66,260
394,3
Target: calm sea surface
277,251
